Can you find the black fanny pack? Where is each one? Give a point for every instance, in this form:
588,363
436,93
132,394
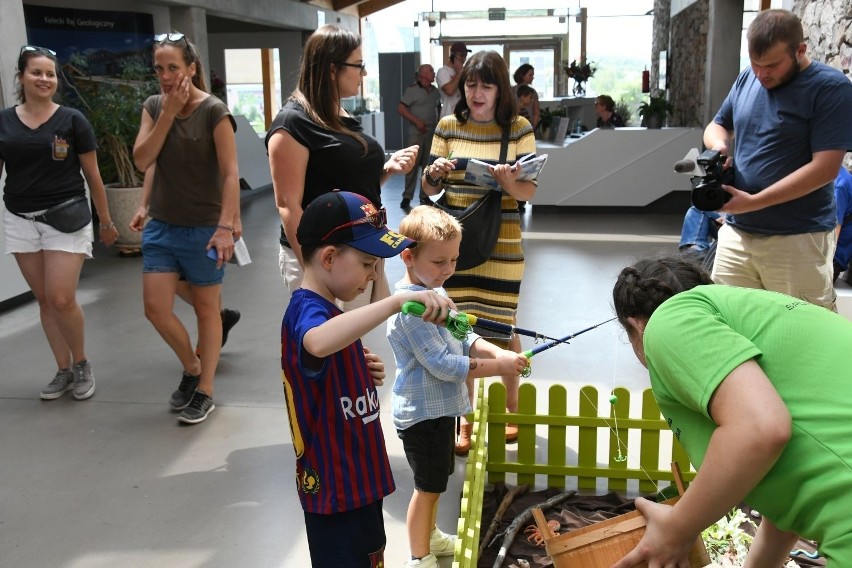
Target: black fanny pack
68,217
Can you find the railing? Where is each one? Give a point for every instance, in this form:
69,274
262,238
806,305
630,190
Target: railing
493,462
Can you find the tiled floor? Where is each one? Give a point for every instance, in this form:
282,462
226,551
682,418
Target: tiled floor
115,481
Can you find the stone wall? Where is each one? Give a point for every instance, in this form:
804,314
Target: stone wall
828,33
687,63
828,30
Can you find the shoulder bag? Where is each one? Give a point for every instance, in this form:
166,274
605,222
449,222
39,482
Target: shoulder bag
480,221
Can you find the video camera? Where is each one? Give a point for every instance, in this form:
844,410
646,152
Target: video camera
707,176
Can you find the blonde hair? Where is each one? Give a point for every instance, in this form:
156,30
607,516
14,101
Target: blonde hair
429,224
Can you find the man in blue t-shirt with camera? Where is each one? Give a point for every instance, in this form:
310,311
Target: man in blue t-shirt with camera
792,124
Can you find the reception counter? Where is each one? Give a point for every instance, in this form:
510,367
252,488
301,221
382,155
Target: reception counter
615,167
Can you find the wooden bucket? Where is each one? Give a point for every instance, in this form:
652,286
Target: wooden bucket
600,545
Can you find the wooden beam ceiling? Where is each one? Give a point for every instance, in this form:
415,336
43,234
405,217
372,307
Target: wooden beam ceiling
365,7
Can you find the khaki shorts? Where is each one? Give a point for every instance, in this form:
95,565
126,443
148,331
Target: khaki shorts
797,265
292,273
25,236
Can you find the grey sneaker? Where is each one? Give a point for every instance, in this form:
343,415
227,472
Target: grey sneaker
181,397
198,408
62,382
84,380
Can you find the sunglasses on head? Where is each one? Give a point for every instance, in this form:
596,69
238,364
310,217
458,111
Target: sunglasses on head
173,37
377,220
37,49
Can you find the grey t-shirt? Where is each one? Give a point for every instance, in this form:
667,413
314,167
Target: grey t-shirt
187,188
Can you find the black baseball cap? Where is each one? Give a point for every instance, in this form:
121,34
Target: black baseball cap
459,47
345,218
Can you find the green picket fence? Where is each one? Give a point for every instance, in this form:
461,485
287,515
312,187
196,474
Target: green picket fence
490,463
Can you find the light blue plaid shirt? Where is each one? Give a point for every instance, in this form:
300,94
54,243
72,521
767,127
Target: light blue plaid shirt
431,367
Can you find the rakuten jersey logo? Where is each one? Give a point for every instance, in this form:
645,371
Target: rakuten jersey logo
366,407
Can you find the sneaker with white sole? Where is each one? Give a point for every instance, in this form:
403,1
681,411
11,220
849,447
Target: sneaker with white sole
84,380
62,382
181,397
198,408
428,561
441,543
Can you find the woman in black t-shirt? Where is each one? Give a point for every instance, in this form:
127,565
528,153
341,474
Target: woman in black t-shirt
43,147
316,147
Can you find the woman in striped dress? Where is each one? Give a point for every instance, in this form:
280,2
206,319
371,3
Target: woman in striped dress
474,130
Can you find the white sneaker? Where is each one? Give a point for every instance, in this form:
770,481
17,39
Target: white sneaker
441,543
428,561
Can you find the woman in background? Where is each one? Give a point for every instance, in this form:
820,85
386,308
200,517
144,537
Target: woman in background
43,147
755,385
490,290
194,210
607,117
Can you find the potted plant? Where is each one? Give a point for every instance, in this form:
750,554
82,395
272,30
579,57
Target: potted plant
113,105
654,111
547,117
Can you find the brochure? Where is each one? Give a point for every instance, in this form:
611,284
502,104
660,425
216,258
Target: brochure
477,171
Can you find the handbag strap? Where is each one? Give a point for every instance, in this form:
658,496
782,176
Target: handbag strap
504,145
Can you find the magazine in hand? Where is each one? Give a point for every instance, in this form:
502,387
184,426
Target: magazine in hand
477,171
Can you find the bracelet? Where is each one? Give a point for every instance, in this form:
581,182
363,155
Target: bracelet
226,227
111,225
430,180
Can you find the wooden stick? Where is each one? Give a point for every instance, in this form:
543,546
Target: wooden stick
678,478
498,516
512,530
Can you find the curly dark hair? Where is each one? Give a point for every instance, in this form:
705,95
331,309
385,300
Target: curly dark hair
644,286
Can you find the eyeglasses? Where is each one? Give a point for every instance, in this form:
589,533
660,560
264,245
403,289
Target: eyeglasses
26,48
377,220
173,37
362,66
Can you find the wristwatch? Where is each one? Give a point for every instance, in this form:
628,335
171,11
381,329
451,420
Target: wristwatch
432,181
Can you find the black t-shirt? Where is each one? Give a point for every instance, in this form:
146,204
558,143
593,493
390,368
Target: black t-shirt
615,121
42,164
335,160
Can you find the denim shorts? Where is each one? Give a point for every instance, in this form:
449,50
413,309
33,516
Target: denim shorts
25,236
172,248
428,448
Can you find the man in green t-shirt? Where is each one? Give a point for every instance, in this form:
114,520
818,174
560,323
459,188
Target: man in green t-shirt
757,386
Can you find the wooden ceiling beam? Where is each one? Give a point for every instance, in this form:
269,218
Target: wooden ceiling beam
338,5
372,6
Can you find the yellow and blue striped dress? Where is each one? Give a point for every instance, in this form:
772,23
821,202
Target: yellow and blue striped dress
491,289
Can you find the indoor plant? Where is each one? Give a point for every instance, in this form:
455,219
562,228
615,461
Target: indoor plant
113,105
546,119
654,111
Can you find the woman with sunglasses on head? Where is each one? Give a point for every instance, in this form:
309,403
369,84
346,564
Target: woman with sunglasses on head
315,146
44,147
194,210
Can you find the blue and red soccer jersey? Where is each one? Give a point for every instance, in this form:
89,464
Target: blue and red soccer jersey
333,407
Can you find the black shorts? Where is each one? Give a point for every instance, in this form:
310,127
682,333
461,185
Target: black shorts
352,539
428,447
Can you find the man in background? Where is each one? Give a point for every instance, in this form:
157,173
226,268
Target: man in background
448,78
792,124
419,107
